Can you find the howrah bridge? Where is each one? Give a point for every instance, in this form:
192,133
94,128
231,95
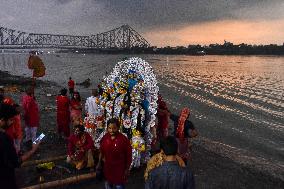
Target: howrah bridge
123,37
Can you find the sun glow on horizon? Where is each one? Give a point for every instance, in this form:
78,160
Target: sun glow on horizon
235,31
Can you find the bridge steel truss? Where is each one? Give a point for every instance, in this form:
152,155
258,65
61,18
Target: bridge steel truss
123,37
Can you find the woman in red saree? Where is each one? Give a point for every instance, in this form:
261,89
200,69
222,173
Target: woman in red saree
76,109
63,113
80,148
184,130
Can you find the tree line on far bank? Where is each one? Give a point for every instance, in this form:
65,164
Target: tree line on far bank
221,49
213,49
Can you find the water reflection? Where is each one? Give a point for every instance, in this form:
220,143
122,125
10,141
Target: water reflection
257,82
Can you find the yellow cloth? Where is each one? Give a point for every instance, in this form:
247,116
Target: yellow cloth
48,165
157,160
86,161
36,64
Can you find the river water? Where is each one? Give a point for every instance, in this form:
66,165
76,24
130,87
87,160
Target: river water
236,101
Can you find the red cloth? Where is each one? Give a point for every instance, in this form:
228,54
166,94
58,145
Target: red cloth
31,112
71,84
117,155
63,115
182,118
15,130
8,100
80,145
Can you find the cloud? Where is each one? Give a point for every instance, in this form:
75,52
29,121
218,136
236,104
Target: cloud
149,14
85,17
50,16
267,11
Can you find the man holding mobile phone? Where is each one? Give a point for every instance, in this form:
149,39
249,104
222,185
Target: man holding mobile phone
9,160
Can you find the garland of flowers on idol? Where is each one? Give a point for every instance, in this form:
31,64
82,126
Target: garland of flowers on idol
94,124
130,94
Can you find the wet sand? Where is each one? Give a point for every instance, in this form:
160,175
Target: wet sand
212,169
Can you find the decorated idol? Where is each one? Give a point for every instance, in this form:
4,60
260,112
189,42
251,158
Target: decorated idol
130,94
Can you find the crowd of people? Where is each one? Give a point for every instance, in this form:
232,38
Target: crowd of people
169,166
11,155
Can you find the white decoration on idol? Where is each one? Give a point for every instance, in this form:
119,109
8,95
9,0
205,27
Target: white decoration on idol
137,105
145,71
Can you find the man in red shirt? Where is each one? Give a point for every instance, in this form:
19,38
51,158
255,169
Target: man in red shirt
31,115
71,85
116,152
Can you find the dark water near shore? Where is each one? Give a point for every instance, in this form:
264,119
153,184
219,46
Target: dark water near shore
236,101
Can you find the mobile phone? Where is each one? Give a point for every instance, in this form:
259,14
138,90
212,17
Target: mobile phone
38,139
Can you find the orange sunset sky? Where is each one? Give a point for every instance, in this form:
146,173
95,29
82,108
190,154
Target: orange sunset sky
235,31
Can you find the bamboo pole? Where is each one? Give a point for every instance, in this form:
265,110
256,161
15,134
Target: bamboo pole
34,162
57,183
